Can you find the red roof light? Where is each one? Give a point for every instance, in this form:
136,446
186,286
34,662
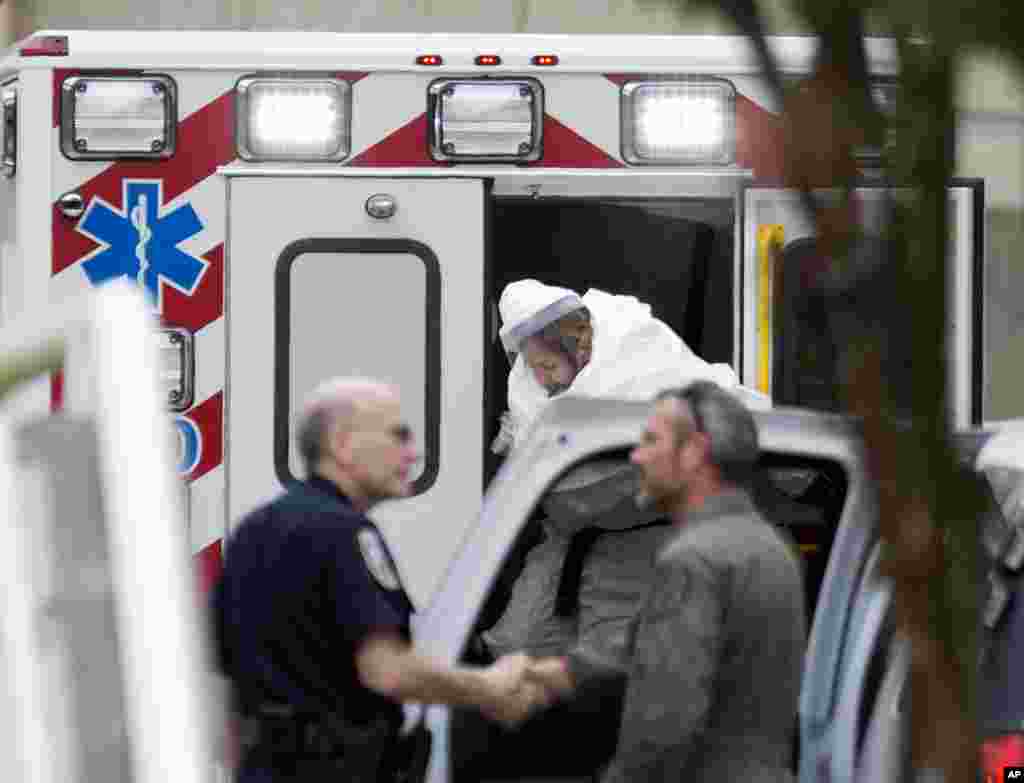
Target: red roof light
45,46
545,59
429,59
488,59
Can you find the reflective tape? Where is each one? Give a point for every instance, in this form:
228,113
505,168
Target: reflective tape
770,238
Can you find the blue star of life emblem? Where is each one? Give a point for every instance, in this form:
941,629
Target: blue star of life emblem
141,241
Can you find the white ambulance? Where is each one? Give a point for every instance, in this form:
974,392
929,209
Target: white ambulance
299,205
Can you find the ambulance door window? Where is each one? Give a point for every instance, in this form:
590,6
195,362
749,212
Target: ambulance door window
365,308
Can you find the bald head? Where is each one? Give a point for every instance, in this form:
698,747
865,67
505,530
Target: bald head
334,407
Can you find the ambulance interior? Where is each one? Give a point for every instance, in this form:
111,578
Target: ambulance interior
675,254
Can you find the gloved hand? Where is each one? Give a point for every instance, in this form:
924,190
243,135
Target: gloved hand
506,436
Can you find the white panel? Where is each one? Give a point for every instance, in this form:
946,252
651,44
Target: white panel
68,175
444,215
209,348
206,509
308,50
374,119
588,106
29,279
651,181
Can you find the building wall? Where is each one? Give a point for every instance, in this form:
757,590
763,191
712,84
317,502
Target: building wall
533,16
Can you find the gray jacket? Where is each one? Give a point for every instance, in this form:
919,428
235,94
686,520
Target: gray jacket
615,574
715,655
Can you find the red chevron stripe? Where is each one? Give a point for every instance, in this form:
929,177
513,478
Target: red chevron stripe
565,148
206,305
759,141
351,76
408,147
208,416
57,391
621,78
205,141
207,563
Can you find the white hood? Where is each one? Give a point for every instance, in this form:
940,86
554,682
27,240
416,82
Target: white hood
527,306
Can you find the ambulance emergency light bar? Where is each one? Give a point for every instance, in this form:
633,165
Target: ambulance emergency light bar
679,120
112,117
485,120
293,119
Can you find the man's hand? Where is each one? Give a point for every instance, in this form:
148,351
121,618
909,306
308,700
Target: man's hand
511,697
552,675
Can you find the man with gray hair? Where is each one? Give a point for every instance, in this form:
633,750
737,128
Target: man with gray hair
715,655
312,621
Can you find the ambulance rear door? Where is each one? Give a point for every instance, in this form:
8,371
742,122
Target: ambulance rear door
379,276
793,359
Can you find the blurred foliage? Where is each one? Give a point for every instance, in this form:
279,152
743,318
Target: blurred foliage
890,305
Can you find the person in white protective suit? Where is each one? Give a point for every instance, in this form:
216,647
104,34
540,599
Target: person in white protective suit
595,345
584,581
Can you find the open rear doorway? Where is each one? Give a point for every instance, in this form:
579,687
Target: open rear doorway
677,255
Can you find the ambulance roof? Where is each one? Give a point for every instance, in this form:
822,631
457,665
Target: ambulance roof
238,50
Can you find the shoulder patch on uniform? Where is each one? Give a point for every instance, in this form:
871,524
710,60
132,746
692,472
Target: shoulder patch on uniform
376,558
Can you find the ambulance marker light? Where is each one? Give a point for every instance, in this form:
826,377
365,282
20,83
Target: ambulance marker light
115,117
293,119
488,59
45,46
9,125
679,121
485,120
545,59
429,59
176,349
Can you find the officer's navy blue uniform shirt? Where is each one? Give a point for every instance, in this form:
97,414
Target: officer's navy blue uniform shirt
306,579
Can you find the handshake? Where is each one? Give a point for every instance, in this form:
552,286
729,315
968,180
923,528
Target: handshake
516,686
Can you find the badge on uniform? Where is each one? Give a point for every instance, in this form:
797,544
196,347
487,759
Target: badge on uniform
378,563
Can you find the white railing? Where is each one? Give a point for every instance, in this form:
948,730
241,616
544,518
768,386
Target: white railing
141,582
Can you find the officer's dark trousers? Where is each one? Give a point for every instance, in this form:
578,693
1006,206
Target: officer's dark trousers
572,739
283,771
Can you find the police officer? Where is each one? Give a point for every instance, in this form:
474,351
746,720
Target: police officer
311,619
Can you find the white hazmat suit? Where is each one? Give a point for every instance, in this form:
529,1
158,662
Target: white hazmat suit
635,356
